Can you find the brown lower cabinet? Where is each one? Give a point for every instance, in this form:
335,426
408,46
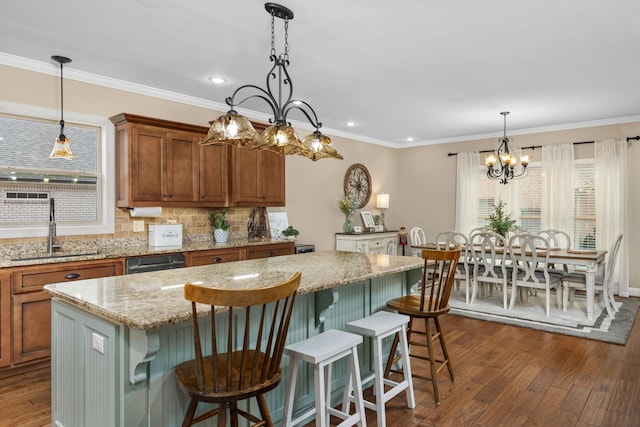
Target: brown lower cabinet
5,319
217,256
25,308
31,305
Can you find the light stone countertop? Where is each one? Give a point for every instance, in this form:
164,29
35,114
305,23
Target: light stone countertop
152,300
115,248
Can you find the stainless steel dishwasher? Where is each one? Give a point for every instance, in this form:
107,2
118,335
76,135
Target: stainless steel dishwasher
144,264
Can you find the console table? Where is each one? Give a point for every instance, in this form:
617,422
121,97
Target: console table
385,242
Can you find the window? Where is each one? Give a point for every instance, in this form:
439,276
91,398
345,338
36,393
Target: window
583,233
28,178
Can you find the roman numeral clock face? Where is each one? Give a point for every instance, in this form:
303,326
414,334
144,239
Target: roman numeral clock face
357,183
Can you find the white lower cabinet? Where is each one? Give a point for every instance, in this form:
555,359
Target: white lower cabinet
385,242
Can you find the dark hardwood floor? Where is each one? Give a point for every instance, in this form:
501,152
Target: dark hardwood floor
505,376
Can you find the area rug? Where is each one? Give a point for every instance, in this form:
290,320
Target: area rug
530,313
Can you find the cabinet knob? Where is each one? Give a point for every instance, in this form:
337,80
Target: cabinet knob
270,253
216,259
72,276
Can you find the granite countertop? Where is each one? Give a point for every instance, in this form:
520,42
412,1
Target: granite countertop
155,299
115,248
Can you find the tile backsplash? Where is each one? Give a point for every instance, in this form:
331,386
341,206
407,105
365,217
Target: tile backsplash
195,222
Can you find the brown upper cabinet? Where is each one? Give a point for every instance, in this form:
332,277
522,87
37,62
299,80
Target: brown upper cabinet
160,163
257,178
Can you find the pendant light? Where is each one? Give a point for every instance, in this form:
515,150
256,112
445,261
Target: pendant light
502,163
61,149
280,137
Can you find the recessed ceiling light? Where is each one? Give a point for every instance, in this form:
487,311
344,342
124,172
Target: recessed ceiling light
351,124
217,80
410,139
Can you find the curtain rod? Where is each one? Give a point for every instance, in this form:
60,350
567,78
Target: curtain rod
533,147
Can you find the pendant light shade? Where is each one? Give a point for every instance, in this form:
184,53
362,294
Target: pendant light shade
319,147
61,148
232,129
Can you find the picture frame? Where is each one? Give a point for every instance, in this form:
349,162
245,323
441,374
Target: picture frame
367,219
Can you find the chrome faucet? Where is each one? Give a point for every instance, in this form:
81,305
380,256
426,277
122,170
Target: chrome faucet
52,245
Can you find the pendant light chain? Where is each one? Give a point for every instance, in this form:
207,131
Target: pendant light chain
61,99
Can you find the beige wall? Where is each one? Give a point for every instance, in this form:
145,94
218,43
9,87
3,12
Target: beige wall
420,181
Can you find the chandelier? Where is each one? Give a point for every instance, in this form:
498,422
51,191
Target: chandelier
280,137
505,170
61,148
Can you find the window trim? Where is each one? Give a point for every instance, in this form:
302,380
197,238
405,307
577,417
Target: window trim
106,160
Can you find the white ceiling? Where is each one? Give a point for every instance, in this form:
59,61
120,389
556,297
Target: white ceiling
436,71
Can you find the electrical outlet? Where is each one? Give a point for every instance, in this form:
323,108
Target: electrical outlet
138,226
98,342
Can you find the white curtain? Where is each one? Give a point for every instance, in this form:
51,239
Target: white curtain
610,157
468,166
558,203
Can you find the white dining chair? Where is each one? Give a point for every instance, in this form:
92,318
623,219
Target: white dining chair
489,257
530,256
417,238
449,240
603,282
558,239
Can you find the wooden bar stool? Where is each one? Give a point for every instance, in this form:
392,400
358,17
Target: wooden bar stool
321,351
379,326
433,301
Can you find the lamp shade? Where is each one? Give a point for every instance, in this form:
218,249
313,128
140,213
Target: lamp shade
233,129
382,201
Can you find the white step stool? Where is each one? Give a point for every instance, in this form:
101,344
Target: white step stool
378,326
321,351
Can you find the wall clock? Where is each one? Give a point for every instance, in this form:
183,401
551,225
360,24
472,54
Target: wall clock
357,183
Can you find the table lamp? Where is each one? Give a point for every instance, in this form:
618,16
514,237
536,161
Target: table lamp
382,203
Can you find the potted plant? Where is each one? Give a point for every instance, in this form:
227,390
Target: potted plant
348,206
220,225
290,233
501,222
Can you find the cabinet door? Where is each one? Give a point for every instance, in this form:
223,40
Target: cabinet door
5,319
213,175
31,326
147,169
272,179
180,168
258,178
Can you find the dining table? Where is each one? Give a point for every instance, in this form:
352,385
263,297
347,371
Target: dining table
590,260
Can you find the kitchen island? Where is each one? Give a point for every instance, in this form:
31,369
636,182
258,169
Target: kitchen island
116,340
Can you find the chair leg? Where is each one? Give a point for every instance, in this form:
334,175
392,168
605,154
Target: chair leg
233,413
432,361
445,352
191,410
222,415
264,410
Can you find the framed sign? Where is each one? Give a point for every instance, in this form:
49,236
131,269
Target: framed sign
367,219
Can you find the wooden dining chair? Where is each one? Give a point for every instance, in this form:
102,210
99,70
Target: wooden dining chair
433,301
603,283
530,270
245,354
489,255
451,239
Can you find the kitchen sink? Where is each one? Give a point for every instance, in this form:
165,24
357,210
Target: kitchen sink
31,257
